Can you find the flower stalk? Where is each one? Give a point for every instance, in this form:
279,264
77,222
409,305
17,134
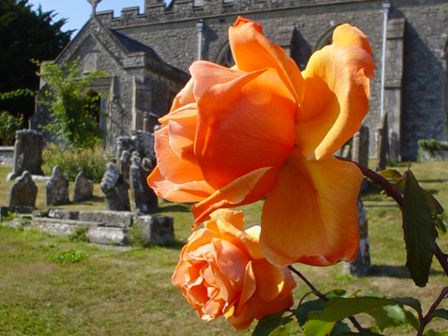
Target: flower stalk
321,295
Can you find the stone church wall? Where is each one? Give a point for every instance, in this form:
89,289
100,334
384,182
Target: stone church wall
416,80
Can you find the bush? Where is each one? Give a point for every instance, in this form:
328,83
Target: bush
8,127
73,109
72,161
432,145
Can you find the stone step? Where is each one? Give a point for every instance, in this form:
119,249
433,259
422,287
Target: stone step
122,219
107,235
59,227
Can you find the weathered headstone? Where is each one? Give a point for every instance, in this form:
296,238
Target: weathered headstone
360,150
115,189
124,164
124,143
157,230
382,144
361,265
394,147
144,143
23,192
57,188
83,188
27,153
144,198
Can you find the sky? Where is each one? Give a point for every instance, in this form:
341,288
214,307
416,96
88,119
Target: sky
77,12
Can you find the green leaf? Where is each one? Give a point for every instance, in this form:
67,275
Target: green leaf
318,328
340,329
410,302
442,313
336,293
304,309
339,308
433,203
419,230
274,324
391,174
389,316
440,225
412,320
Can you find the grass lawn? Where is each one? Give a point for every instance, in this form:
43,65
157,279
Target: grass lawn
53,286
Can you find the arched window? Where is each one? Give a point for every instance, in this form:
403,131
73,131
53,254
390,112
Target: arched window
225,56
326,38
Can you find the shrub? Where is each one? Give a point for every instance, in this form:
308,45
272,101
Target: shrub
71,105
91,161
9,124
432,145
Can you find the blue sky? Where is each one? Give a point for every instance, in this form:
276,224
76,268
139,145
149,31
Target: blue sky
77,12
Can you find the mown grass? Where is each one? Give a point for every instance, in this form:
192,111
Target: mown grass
53,286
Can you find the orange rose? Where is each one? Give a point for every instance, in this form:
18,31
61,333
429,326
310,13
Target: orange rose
263,129
222,271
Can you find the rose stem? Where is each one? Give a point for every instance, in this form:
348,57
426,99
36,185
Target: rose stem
321,295
393,192
428,317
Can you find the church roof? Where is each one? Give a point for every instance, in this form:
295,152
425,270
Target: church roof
124,44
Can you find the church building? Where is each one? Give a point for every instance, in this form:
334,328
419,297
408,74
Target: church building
146,54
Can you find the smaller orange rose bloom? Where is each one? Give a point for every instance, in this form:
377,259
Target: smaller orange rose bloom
223,271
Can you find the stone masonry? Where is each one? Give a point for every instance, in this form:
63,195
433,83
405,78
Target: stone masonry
147,55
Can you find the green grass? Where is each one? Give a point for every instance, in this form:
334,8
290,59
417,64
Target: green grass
54,286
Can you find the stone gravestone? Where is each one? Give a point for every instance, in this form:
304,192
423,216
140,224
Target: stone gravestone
360,150
115,189
124,143
57,188
144,198
144,143
382,144
27,153
155,230
124,164
361,265
394,147
23,192
83,188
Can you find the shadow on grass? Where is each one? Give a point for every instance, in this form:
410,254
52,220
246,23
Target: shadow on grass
173,208
392,271
433,180
174,245
381,205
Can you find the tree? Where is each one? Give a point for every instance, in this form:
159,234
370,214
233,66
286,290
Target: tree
74,109
26,34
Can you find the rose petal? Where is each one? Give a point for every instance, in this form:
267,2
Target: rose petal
246,189
228,225
347,35
254,128
253,51
175,179
335,100
311,215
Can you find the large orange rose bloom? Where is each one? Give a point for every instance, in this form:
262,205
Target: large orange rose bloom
263,129
222,271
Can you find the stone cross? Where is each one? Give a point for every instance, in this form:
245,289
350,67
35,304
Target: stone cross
143,197
115,189
94,3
